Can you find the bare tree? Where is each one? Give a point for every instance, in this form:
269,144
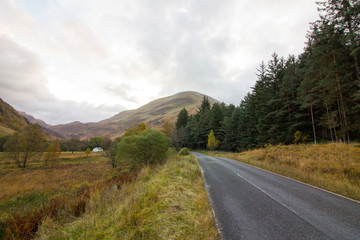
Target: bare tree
22,146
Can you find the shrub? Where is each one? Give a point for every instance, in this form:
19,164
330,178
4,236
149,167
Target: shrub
183,152
212,142
146,148
299,138
88,151
53,152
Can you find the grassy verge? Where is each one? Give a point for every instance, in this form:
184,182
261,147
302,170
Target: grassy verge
165,202
334,167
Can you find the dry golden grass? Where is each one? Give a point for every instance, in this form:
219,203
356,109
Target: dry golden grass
165,202
76,155
334,167
83,198
70,170
60,191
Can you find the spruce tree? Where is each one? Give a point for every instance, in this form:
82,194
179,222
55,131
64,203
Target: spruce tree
217,121
232,131
182,118
344,15
205,105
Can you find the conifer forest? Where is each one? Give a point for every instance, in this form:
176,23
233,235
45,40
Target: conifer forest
312,97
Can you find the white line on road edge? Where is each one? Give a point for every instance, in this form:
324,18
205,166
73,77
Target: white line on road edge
307,184
286,207
217,224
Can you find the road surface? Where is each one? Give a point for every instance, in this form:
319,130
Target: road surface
250,203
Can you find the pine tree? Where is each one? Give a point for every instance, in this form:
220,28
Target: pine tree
329,79
180,136
232,131
289,107
182,118
205,105
344,15
316,93
217,121
204,120
248,123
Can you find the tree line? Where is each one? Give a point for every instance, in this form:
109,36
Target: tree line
138,147
30,142
311,97
75,144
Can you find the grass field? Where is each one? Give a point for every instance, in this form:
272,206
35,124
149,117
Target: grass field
165,202
25,192
84,198
334,167
69,170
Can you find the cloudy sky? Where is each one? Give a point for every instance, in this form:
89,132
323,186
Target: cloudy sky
86,60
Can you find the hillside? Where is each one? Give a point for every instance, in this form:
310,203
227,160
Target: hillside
10,119
32,119
46,127
154,114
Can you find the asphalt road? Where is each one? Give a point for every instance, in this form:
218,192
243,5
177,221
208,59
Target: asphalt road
250,203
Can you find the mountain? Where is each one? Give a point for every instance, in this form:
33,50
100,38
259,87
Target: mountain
10,119
32,119
46,127
154,114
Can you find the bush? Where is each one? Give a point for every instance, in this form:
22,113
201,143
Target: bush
3,140
299,138
146,148
183,152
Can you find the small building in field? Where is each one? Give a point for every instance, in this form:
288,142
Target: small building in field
97,149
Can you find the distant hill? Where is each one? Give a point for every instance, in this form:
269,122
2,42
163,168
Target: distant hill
10,119
154,114
46,127
32,119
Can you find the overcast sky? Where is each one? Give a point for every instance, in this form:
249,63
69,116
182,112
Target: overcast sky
87,60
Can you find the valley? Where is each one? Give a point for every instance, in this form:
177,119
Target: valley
153,114
179,120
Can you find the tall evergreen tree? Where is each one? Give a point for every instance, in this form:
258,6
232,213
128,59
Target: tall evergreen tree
205,105
204,120
316,93
217,120
232,131
182,118
344,15
289,105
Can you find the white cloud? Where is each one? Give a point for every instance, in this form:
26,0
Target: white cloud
95,55
23,85
20,72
